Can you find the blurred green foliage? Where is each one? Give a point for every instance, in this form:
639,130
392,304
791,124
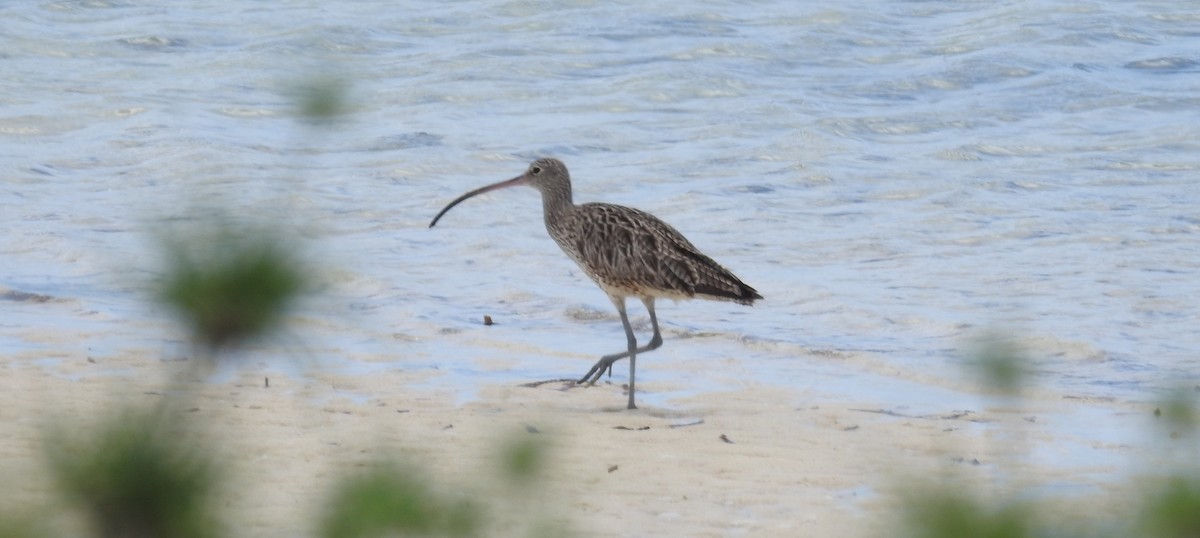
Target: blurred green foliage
138,476
1173,511
522,458
999,364
322,98
388,500
1170,507
948,512
231,285
1179,415
20,527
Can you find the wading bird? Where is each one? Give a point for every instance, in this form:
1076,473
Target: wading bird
627,252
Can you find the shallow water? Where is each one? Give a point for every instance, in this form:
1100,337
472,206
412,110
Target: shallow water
896,178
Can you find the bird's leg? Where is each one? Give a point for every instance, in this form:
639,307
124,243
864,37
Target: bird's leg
633,349
655,342
606,362
632,340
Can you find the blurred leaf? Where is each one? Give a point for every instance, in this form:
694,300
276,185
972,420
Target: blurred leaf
1000,364
231,286
1179,412
137,478
950,514
24,527
523,458
322,98
462,518
1173,512
388,501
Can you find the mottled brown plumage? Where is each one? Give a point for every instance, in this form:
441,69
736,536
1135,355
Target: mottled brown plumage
627,252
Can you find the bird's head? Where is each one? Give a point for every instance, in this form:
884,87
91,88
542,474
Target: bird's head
545,175
549,176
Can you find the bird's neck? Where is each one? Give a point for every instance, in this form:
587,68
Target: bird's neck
556,204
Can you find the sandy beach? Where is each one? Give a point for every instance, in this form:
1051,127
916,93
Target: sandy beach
754,460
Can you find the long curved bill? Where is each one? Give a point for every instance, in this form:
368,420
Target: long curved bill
516,181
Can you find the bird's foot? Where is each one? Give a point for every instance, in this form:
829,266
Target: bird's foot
597,370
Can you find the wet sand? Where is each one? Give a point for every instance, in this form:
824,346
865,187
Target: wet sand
753,460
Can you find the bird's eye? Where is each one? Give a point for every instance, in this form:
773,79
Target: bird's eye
536,170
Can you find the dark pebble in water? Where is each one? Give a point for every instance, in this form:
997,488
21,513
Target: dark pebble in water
24,296
756,189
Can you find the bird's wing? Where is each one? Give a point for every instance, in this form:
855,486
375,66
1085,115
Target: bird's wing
633,249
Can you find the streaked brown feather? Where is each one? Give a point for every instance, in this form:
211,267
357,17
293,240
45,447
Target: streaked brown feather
631,252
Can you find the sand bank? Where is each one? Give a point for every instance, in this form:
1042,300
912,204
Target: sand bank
753,460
